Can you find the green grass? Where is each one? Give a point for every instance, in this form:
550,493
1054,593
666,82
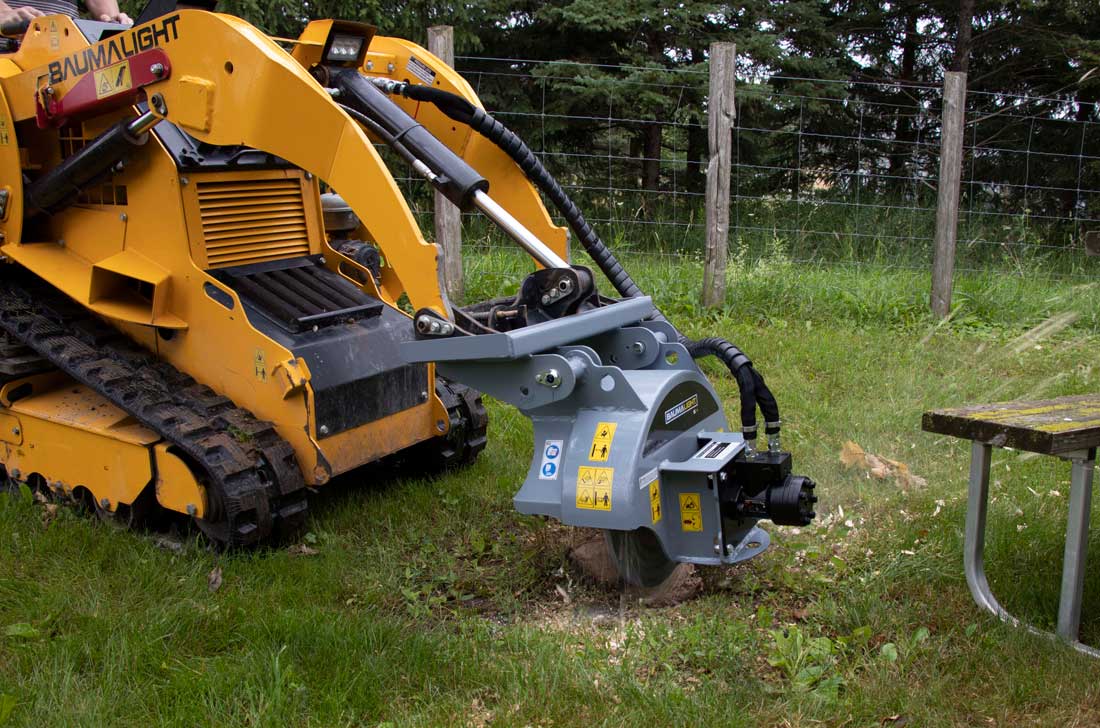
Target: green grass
431,602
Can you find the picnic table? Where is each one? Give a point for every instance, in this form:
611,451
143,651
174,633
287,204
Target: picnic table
1067,428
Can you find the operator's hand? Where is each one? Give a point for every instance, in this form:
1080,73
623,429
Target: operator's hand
120,17
9,14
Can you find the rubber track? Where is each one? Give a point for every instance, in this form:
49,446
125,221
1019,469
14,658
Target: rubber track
468,427
255,490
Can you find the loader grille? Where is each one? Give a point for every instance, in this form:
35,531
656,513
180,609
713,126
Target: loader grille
72,140
252,221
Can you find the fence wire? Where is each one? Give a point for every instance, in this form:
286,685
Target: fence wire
824,172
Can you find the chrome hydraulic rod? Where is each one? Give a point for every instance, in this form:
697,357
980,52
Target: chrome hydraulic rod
143,123
515,230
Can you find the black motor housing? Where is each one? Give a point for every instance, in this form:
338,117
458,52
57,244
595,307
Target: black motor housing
760,485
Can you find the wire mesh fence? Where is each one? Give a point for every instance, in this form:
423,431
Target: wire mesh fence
824,172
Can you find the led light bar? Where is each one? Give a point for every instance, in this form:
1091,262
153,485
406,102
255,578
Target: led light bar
344,48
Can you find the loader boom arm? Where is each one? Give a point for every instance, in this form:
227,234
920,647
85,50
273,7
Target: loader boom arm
229,84
397,59
509,186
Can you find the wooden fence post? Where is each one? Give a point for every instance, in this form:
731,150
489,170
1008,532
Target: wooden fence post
720,114
448,218
947,204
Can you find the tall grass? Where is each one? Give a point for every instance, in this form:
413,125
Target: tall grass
769,286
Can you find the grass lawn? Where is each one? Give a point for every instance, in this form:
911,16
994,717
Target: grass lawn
431,602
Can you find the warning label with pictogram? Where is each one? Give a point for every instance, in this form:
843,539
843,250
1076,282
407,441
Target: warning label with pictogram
259,365
594,488
601,442
655,500
691,514
113,79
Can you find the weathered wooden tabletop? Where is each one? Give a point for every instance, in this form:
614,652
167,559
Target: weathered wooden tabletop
1047,426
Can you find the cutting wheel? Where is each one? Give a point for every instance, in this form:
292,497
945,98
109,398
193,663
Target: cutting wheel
639,558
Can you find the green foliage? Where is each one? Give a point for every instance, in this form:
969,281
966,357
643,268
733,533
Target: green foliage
7,707
22,631
807,662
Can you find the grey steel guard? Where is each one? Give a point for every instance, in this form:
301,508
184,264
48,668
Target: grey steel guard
611,367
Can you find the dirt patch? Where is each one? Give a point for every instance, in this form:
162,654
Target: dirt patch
592,557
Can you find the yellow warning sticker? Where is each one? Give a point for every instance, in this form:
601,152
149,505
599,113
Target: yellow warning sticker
594,488
55,39
112,80
655,500
601,442
259,365
5,138
691,514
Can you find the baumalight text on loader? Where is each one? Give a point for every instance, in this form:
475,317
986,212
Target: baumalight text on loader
203,301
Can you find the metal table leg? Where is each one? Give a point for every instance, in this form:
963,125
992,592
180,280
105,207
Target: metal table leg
1069,611
974,548
1077,541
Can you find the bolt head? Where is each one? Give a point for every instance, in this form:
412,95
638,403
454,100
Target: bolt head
15,431
323,429
192,510
157,69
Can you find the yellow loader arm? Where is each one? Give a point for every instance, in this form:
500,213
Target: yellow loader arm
397,59
226,83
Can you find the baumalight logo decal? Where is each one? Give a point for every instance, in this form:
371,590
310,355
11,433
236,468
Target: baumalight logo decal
118,48
688,405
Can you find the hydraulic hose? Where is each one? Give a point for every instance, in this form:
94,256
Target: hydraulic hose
464,112
753,390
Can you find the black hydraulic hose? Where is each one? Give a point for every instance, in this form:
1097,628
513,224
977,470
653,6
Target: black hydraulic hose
450,104
464,112
768,406
522,155
376,129
746,383
753,390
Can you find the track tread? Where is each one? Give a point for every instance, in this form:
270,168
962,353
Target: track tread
256,493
